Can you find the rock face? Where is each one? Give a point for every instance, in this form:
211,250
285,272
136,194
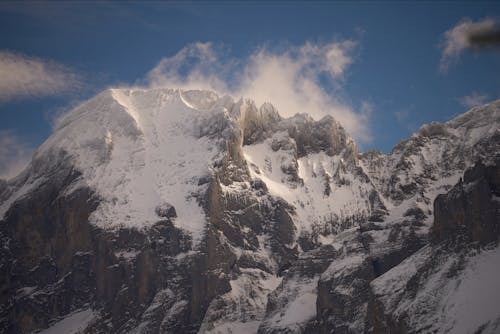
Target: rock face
450,284
471,209
161,211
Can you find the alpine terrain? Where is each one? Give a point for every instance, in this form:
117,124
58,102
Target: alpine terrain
173,211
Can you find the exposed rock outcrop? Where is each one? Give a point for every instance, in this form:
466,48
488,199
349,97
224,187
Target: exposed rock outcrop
446,282
471,209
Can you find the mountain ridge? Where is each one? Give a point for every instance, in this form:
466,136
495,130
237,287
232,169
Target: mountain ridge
198,213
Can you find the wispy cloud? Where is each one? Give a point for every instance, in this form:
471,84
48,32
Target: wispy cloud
401,115
15,154
27,77
297,79
467,34
473,100
366,108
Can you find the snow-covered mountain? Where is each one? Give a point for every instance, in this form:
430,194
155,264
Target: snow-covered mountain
157,210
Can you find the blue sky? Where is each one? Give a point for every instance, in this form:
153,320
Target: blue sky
390,72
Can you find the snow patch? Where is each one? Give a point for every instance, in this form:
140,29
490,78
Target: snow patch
245,304
140,148
301,305
461,302
314,204
472,300
73,324
19,193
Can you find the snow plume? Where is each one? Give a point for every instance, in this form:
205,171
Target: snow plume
195,66
467,34
297,79
14,154
26,77
473,100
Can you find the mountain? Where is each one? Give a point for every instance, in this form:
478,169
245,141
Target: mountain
161,211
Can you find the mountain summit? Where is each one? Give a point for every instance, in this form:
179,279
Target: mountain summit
158,210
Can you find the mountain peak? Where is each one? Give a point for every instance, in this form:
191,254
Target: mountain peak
149,196
141,148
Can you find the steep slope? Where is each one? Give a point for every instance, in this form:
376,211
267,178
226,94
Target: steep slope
152,199
141,150
116,206
408,181
181,211
450,285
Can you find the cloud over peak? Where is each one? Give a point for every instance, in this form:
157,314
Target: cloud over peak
27,77
296,79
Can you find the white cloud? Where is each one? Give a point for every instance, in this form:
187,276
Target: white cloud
458,38
292,79
26,77
15,154
473,100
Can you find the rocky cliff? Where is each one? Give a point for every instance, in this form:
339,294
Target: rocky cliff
449,285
